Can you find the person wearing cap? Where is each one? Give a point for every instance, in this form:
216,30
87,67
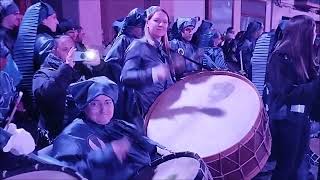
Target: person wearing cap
95,144
213,57
10,18
34,42
50,82
67,27
182,42
148,68
46,32
245,48
79,39
16,141
132,28
7,89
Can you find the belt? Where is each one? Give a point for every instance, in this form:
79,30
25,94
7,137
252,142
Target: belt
297,108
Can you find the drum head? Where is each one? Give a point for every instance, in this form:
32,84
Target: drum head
41,172
206,113
41,175
183,165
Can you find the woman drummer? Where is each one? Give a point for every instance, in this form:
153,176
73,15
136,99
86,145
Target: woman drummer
146,67
295,86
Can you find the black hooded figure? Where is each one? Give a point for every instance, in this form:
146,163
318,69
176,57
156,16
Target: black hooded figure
9,23
8,34
246,46
131,28
86,145
34,43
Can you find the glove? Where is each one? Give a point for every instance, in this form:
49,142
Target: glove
20,142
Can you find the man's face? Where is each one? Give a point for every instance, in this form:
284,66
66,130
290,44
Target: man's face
13,20
187,33
137,31
81,35
51,22
230,35
100,110
73,34
64,45
258,33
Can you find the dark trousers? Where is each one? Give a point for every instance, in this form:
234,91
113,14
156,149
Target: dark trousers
290,138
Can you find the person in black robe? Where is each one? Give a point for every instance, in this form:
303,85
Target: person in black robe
95,144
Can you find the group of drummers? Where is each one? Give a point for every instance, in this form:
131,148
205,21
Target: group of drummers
92,111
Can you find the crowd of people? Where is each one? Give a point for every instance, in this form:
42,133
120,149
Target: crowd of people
90,112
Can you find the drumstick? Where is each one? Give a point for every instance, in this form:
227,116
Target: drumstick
14,109
241,64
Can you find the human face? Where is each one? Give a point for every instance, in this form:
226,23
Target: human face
51,22
137,31
217,41
158,25
81,35
73,34
230,35
64,45
12,20
187,33
100,110
258,33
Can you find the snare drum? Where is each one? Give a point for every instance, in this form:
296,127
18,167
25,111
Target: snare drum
182,165
220,116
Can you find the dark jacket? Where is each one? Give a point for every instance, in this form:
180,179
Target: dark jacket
49,88
216,58
116,55
246,47
43,45
286,88
189,52
85,146
140,58
7,95
8,37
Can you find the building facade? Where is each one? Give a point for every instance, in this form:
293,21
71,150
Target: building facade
96,16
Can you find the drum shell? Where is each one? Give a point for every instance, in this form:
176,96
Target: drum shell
243,160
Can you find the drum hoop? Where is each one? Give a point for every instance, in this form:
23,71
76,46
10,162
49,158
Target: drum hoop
40,167
201,170
205,73
173,156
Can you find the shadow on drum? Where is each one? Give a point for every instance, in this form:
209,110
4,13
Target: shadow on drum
170,113
217,92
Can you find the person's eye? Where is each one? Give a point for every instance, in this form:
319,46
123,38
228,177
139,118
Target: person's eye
108,102
93,104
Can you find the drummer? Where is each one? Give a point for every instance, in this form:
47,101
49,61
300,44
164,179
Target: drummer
147,66
96,145
16,141
181,42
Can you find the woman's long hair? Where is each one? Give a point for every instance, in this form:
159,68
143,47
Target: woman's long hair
297,43
150,12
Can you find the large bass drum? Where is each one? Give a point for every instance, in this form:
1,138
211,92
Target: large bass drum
218,115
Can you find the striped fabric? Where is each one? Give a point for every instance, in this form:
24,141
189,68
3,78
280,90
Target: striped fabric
259,61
